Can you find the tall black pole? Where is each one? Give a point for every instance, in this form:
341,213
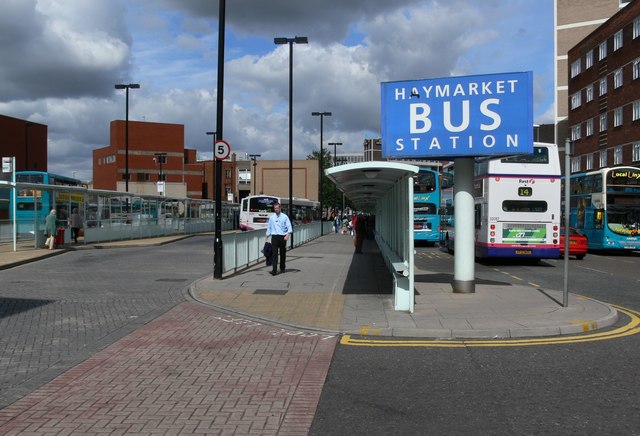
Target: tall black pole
321,163
126,141
290,211
217,247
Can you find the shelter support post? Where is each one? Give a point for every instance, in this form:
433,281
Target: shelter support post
464,260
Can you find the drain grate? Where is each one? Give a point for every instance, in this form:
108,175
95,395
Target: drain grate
270,292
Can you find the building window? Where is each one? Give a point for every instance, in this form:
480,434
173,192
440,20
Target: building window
636,69
575,68
603,158
603,122
575,164
142,177
617,117
576,100
589,162
227,174
602,50
603,86
244,176
588,91
588,60
636,28
589,127
636,152
617,155
575,132
617,40
617,78
636,110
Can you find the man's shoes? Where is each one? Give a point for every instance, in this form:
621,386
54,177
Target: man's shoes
281,271
273,273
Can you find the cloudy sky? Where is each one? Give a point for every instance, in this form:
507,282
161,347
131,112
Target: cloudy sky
61,59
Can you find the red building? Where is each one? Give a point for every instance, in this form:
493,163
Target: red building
156,154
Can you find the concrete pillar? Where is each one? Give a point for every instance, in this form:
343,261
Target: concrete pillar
464,243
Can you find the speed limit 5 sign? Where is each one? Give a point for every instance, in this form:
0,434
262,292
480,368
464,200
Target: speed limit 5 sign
222,150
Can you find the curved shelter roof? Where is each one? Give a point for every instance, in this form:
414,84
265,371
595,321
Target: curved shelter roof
365,183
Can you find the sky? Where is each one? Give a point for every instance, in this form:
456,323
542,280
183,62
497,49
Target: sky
62,58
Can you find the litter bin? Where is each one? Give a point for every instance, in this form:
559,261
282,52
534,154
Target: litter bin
59,239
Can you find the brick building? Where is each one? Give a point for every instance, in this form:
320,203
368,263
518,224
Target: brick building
604,93
156,153
26,141
574,20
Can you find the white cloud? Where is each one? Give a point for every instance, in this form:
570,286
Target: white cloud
61,60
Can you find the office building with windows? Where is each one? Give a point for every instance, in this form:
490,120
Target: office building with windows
604,94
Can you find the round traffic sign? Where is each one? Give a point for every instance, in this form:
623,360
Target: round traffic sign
222,150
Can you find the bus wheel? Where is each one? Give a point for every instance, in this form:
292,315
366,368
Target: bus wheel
579,256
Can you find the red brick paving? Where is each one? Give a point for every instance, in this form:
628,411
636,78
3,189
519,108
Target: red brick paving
191,371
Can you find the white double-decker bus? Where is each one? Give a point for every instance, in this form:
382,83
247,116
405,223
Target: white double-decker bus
517,205
256,209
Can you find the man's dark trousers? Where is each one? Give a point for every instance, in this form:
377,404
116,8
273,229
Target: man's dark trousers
279,246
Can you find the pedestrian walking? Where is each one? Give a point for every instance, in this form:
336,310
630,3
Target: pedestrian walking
75,221
279,229
50,229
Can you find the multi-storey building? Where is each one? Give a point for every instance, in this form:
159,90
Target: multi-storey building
604,93
156,153
574,20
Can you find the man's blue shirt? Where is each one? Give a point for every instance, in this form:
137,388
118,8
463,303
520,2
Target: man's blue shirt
279,225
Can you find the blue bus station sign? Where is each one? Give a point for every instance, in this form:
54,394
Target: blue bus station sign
458,116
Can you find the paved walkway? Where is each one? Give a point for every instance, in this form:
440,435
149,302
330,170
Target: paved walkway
221,368
327,287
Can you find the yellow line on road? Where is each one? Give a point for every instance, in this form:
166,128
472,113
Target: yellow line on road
632,328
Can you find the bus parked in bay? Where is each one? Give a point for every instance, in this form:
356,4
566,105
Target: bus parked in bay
34,203
517,206
255,211
426,204
605,207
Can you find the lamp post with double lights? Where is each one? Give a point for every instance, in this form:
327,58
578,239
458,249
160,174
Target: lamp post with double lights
335,190
126,131
291,41
253,177
321,115
160,158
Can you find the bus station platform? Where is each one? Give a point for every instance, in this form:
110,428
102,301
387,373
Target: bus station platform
327,287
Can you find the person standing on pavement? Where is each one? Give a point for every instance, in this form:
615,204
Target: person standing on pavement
50,229
279,228
75,221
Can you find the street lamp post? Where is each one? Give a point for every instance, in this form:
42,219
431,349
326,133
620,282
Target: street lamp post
321,115
126,130
335,191
160,158
291,41
253,177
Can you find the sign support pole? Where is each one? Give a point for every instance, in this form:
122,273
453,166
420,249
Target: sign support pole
464,245
567,194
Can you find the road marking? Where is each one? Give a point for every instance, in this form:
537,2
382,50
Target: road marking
534,285
596,270
632,328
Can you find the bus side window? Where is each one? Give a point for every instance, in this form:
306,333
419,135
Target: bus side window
478,215
598,216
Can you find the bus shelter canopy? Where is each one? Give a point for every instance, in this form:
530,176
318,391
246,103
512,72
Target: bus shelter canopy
367,182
